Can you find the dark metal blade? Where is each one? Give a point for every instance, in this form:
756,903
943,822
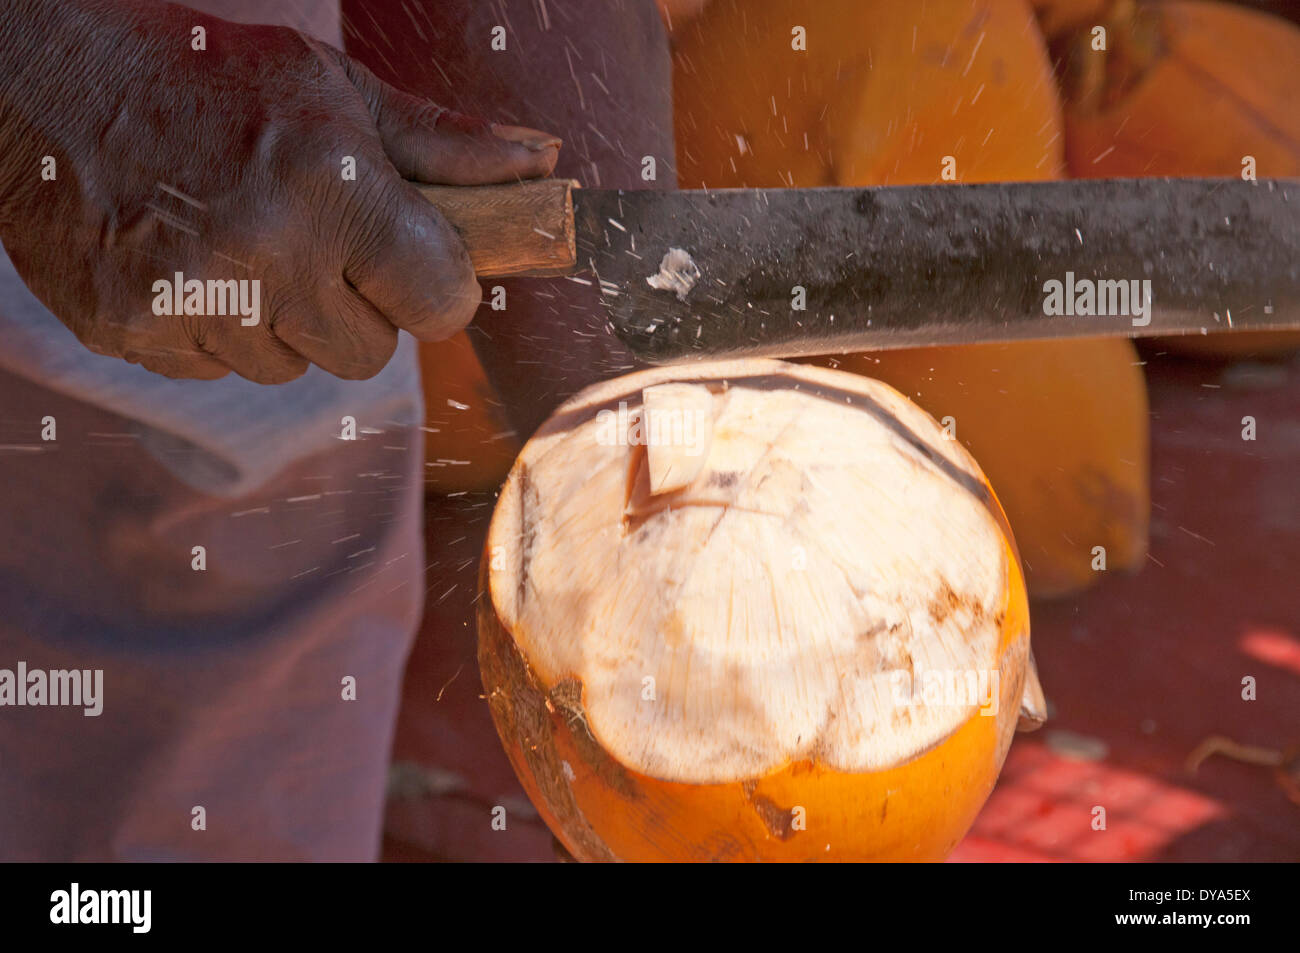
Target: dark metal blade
933,265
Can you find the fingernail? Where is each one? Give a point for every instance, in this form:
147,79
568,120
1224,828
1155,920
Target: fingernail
532,138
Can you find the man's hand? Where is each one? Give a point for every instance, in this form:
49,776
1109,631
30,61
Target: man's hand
233,162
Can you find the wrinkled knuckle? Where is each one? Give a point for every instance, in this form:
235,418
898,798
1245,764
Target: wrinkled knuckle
298,161
311,168
366,362
369,219
289,324
289,313
277,366
278,373
271,363
292,370
195,329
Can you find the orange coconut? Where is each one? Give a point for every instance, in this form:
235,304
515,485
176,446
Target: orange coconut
692,641
677,13
884,92
468,443
1183,88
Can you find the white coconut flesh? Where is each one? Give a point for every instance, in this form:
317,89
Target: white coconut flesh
813,534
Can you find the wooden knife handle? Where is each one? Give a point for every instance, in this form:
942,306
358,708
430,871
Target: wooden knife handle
524,228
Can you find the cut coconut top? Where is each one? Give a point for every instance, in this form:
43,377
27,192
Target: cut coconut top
740,567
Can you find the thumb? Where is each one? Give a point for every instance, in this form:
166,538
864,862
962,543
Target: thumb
433,144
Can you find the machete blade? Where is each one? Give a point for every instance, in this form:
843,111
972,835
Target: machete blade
910,266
